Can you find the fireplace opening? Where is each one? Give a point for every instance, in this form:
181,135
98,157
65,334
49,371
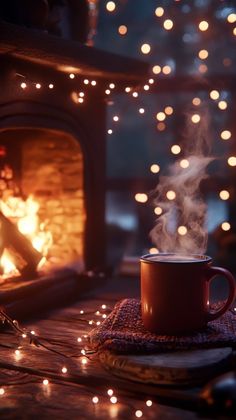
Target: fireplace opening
42,193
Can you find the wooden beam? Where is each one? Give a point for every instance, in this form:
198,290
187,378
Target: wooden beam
68,56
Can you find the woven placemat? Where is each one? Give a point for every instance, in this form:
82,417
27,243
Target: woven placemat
123,332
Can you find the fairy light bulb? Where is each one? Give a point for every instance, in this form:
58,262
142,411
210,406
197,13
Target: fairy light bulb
79,339
234,31
141,110
141,197
122,30
195,118
112,85
45,382
225,226
145,48
153,250
2,391
64,369
175,149
93,82
127,89
113,399
116,118
135,94
38,86
222,105
138,413
225,135
84,361
154,168
146,87
104,306
202,68
161,126
170,195
182,230
224,195
231,18
110,131
159,11
196,101
110,6
110,392
107,91
23,85
203,25
86,81
232,161
160,116
95,400
158,211
184,163
169,110
203,54
168,24
151,81
156,69
214,94
51,85
71,76
166,69
149,403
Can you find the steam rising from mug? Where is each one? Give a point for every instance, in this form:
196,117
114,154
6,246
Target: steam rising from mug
187,209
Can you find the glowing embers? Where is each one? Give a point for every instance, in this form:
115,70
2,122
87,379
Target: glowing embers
24,213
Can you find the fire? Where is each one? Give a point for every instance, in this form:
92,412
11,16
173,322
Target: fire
25,214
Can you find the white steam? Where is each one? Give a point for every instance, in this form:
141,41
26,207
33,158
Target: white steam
188,208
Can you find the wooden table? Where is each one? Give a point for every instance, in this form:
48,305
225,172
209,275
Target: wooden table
69,395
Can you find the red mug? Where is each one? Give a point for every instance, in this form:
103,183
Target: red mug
175,292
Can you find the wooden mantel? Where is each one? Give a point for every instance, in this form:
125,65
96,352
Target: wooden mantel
68,56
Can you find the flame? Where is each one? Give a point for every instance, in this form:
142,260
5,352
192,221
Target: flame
25,214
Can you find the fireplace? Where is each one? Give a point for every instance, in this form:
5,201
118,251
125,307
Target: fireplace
53,154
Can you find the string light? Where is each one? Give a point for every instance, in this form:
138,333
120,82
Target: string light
86,81
146,87
195,118
184,163
79,339
51,86
104,306
232,161
135,94
169,110
81,311
203,54
141,197
168,24
64,369
151,81
225,135
138,413
127,89
149,403
145,48
113,400
71,76
225,226
107,91
175,149
93,82
2,391
116,118
159,11
158,211
110,6
196,101
141,110
154,168
166,69
110,392
153,250
84,361
161,126
222,105
95,400
214,94
45,382
203,25
23,85
231,18
234,31
203,68
161,116
224,195
122,30
156,69
112,85
38,86
170,195
182,230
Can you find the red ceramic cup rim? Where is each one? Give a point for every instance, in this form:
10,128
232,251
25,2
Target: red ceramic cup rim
199,258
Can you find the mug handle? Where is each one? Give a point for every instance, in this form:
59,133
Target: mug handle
214,271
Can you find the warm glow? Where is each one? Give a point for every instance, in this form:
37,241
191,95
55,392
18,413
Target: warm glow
159,11
225,226
170,195
110,131
23,85
110,392
232,161
234,31
127,89
135,94
138,413
195,118
203,54
113,400
154,168
141,197
156,69
184,163
145,48
166,70
214,94
141,110
86,81
149,403
224,195
196,101
122,30
169,110
107,91
182,230
51,86
115,118
38,86
112,85
146,87
203,68
158,211
203,25
161,116
93,82
153,250
222,105
71,76
231,18
168,24
161,126
95,400
110,6
45,382
28,223
225,135
64,369
151,81
2,391
175,149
